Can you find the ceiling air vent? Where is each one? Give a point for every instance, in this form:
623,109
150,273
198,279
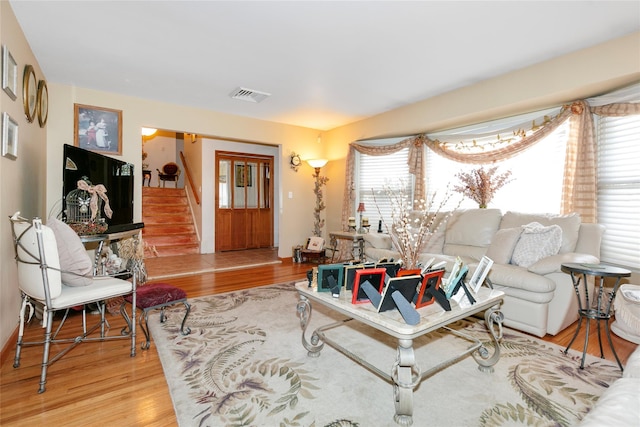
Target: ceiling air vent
249,95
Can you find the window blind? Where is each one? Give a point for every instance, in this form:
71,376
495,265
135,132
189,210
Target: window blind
376,174
619,189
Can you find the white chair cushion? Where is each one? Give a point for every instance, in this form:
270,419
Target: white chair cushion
101,288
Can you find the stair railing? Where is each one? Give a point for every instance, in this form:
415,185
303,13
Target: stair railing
187,172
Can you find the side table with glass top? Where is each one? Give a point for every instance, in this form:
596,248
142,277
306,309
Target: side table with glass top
598,309
357,243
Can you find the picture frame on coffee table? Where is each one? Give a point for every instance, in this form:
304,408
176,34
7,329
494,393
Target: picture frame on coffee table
430,283
477,279
325,271
375,276
406,285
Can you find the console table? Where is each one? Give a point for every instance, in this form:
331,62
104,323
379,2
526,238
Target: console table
598,309
405,374
357,243
100,239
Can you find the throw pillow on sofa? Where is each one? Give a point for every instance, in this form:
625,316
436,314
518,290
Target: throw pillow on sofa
503,244
570,225
536,242
75,264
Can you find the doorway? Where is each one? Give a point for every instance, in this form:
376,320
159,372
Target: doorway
244,201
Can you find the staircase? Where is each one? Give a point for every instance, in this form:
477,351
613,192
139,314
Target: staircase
168,224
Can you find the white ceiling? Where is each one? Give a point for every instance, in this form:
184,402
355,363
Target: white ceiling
325,63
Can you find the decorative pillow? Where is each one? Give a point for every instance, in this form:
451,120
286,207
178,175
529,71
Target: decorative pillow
570,225
504,242
75,262
536,242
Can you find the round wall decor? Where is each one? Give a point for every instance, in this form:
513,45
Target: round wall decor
29,92
43,103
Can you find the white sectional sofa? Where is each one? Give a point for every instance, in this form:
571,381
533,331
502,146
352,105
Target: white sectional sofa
539,297
619,406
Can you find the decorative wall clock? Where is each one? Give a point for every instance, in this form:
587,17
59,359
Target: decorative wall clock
43,103
29,92
295,161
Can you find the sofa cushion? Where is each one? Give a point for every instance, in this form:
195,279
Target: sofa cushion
570,225
536,242
554,263
472,227
75,264
503,244
513,276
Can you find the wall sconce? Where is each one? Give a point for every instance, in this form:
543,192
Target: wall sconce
318,222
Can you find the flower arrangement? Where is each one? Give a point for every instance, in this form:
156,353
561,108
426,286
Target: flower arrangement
413,223
481,185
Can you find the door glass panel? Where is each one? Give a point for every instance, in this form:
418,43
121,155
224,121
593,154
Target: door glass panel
239,186
265,180
224,184
252,185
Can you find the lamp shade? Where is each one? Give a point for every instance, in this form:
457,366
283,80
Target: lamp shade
361,207
317,163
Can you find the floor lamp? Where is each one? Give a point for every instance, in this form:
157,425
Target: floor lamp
318,223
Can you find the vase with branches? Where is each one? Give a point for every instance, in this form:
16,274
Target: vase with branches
413,222
481,185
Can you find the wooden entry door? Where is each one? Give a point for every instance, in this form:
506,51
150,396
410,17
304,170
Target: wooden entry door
244,201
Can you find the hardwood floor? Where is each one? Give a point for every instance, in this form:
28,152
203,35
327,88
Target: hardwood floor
99,384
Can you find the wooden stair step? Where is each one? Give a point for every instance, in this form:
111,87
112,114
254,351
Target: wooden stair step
166,229
163,200
162,192
161,251
166,240
167,219
153,210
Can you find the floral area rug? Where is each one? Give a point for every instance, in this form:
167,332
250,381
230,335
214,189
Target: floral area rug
244,365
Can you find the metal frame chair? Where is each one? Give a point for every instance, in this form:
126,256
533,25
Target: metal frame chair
39,279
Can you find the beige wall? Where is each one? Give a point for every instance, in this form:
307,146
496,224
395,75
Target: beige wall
22,181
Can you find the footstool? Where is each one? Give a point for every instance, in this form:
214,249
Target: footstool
154,296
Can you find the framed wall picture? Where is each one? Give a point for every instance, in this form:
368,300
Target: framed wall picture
9,73
29,92
98,129
43,103
9,137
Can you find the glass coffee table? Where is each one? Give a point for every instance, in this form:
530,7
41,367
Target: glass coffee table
405,374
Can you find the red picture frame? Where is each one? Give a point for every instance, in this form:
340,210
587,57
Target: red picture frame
375,276
431,279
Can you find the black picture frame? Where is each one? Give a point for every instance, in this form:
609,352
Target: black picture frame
375,276
329,270
431,280
406,285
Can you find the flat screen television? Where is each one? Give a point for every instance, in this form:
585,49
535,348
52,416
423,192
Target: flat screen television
117,177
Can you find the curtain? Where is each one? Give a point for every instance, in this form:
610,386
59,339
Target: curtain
579,185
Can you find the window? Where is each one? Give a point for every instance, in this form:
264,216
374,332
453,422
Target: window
619,189
537,177
375,173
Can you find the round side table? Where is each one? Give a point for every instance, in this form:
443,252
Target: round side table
600,307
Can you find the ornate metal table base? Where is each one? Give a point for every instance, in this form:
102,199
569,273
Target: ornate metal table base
406,374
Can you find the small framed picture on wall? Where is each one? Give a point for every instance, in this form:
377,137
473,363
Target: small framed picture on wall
98,129
9,137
